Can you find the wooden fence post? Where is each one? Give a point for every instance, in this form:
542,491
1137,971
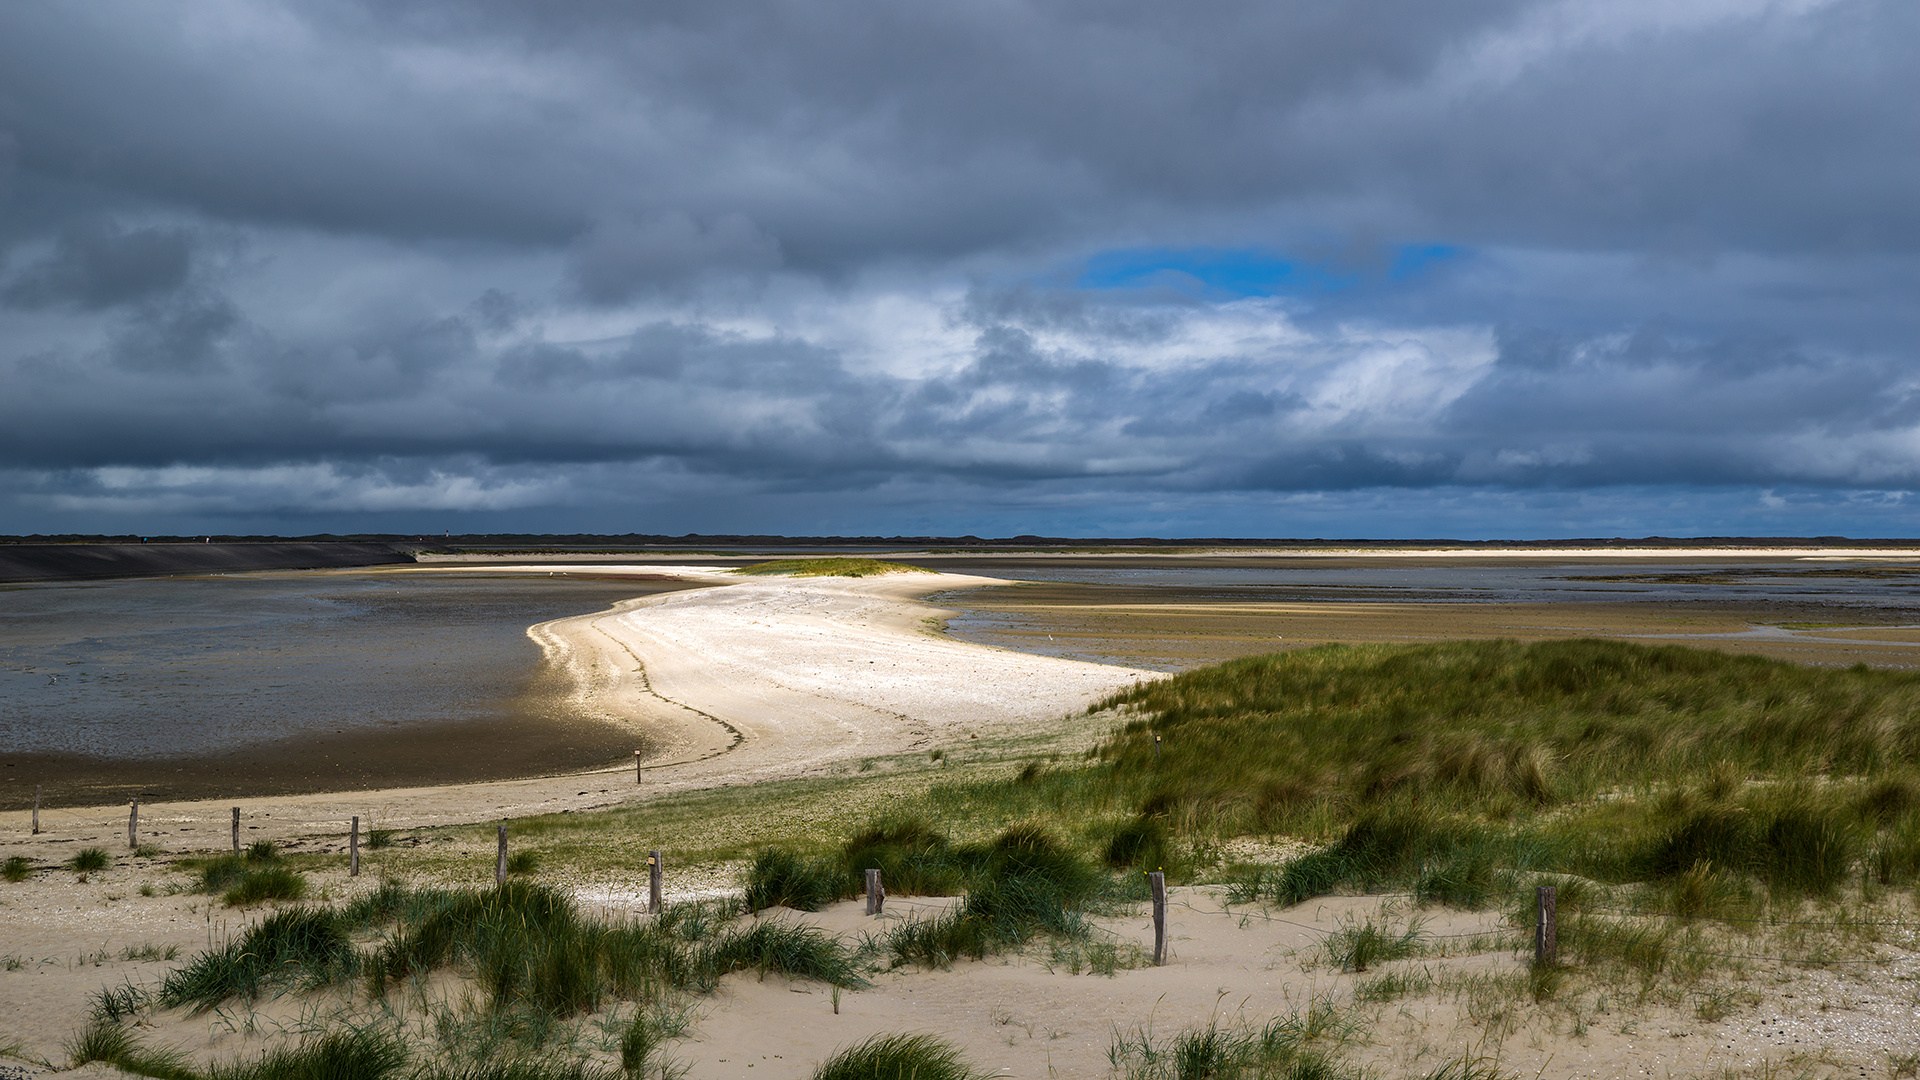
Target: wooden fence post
654,871
133,822
1546,928
500,863
1157,881
236,830
353,850
876,893
1156,747
637,774
36,809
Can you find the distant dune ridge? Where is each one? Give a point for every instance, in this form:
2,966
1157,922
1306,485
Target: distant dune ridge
74,562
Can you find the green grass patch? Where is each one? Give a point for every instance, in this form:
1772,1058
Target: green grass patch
300,948
1306,1045
898,1057
832,566
89,860
17,868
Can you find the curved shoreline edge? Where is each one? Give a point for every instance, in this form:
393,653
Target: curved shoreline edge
755,680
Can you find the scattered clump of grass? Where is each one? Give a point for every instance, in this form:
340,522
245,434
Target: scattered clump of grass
268,883
255,877
1027,884
365,1054
523,863
533,954
1092,956
112,1043
913,859
1303,1046
831,566
150,951
89,860
299,947
783,878
18,868
802,952
1361,944
1142,842
379,838
897,1057
1392,986
116,1003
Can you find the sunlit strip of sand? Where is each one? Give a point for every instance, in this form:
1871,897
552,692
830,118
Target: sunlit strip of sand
760,679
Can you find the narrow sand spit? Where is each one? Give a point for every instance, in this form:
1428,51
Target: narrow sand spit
756,679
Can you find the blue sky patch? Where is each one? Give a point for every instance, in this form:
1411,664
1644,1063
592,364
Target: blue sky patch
1240,272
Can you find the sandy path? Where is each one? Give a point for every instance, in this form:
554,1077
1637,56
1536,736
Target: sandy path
761,678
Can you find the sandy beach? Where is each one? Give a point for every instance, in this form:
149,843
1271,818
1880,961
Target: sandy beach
754,679
760,680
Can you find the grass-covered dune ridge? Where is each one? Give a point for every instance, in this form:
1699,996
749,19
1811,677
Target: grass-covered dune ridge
830,566
1268,738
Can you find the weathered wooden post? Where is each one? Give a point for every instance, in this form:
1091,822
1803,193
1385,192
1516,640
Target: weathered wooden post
353,850
500,863
36,809
133,822
1156,747
653,882
236,830
1157,881
876,893
1546,927
638,775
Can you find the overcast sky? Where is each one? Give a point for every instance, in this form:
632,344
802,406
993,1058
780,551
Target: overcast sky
1397,268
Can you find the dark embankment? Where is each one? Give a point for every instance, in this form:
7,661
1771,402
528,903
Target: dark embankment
73,562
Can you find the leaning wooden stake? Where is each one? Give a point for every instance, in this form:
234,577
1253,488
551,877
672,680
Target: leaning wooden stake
133,822
353,850
1157,881
236,830
36,809
653,882
876,893
1546,928
500,864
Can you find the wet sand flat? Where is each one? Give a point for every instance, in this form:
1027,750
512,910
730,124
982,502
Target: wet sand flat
1173,629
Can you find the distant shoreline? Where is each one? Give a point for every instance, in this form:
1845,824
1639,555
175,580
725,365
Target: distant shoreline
29,563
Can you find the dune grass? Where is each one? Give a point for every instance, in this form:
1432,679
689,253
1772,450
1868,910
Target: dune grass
299,947
525,947
898,1057
17,868
256,877
1024,884
89,860
830,566
1305,1045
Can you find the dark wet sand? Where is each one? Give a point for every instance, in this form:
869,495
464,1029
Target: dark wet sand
457,753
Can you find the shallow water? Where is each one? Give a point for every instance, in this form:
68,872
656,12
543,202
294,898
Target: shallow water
1875,592
178,667
1401,581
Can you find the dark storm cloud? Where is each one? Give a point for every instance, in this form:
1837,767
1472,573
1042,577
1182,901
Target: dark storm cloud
95,265
510,255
